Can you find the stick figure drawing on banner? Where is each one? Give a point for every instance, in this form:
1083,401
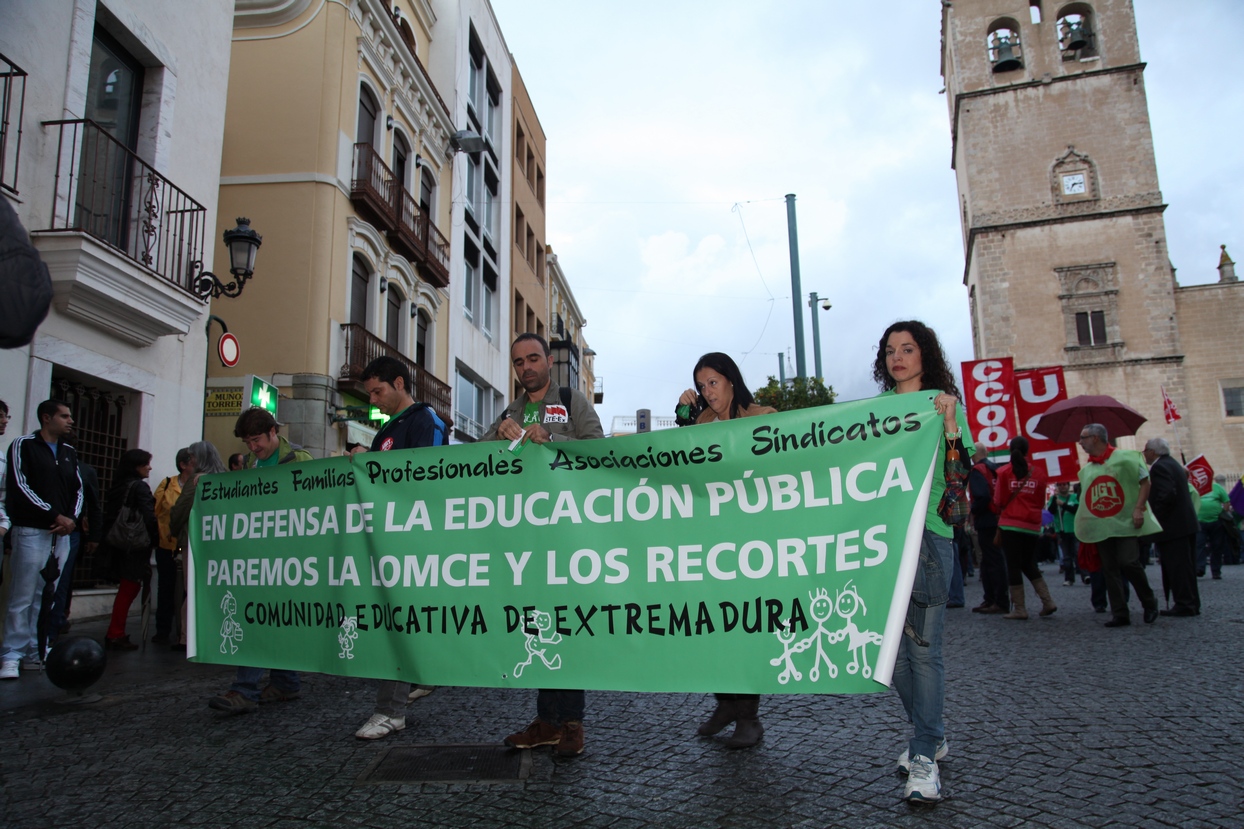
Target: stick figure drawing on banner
230,630
821,608
346,636
786,635
848,603
543,623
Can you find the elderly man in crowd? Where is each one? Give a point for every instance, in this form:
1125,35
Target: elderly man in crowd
1171,502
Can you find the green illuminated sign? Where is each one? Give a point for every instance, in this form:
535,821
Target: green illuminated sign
374,413
260,393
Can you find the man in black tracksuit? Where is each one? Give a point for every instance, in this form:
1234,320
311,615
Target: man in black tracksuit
412,425
44,493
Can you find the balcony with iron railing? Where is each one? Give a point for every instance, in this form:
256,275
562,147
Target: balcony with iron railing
381,199
12,106
107,191
362,347
124,243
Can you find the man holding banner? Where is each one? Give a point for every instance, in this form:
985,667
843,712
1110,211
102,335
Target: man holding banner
261,433
547,412
411,425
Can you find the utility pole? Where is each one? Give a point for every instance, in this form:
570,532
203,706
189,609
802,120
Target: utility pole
801,368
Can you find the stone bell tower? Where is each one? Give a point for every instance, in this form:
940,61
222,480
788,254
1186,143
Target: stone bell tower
1065,247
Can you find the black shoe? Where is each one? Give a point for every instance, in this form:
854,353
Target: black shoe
1100,609
1118,622
160,639
1151,615
1200,574
1177,611
1217,577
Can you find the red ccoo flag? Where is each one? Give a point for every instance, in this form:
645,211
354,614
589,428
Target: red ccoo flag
1168,407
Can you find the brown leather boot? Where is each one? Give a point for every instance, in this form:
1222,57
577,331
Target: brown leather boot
1047,601
721,717
1018,610
747,728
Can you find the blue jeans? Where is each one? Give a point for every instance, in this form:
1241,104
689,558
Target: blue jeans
919,676
955,597
246,682
1211,540
31,548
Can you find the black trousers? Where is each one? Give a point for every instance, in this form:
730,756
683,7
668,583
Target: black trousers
993,570
1120,561
1179,571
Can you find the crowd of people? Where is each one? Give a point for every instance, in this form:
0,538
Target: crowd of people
1018,520
54,507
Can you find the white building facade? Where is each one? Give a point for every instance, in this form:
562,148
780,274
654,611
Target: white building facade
471,64
113,123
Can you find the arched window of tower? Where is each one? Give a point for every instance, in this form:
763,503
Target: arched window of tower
1076,37
1005,51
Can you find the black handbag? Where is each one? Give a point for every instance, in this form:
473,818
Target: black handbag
129,531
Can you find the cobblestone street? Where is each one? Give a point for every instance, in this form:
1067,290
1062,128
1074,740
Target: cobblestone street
1053,722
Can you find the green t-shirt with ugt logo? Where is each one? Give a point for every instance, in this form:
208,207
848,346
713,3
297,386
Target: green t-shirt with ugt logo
1108,496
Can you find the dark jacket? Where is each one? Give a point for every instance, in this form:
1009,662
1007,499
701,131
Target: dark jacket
1170,499
25,286
40,485
91,520
980,490
580,423
417,425
131,490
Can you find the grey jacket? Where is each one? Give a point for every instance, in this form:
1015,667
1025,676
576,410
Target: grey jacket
581,424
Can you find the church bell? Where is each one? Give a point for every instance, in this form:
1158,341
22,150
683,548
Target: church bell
1005,58
1076,37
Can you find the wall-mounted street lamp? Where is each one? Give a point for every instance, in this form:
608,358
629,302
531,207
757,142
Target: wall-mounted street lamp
466,141
243,243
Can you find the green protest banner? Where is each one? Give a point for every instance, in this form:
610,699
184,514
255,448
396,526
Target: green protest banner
761,555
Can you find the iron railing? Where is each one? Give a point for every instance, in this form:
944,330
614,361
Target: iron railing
376,193
362,347
12,95
105,190
372,186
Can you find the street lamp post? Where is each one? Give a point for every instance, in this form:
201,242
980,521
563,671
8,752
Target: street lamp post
243,244
813,299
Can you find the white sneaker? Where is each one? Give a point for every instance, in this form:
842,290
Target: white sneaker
379,726
9,669
943,748
419,692
924,784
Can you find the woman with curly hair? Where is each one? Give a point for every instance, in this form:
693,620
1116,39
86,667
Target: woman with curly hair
721,394
133,567
910,360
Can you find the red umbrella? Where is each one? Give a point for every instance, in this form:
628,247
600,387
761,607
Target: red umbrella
1063,421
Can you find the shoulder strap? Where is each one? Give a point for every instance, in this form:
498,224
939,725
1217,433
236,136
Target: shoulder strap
565,396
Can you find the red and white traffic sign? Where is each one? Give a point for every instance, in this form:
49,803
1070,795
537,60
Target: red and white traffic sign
229,350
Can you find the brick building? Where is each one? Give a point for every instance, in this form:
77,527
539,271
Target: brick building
1065,244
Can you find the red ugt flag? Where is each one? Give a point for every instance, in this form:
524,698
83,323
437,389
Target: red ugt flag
1168,407
1201,474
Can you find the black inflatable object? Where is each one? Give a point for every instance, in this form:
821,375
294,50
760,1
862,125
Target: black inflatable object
75,663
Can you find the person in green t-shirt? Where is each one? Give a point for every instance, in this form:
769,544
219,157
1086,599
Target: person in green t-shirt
1114,513
1063,505
910,360
1211,541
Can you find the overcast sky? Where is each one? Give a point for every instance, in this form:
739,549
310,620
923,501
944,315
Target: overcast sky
676,128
